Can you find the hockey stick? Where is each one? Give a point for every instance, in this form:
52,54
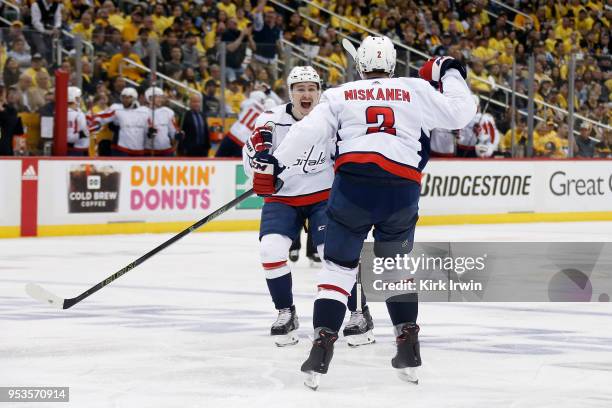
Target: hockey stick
350,48
39,293
358,289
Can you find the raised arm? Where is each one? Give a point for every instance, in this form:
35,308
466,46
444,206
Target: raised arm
452,109
318,125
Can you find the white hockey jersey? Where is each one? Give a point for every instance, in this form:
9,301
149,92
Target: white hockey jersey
77,123
443,142
242,129
480,134
164,122
311,174
385,121
133,125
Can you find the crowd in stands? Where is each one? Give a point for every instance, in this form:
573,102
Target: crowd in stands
182,40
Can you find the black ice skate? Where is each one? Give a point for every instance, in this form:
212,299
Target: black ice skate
359,329
408,356
321,354
284,329
294,255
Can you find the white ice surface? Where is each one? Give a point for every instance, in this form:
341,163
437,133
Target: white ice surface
189,328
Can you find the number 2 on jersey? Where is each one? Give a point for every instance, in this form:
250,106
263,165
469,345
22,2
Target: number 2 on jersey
388,119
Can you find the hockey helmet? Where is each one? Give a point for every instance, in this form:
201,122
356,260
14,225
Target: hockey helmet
129,92
376,54
302,74
153,91
74,94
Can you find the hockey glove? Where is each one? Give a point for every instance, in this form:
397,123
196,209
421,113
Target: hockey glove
265,174
82,135
484,150
260,141
435,68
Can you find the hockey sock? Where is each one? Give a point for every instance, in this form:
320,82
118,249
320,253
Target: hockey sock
403,308
328,313
352,300
280,290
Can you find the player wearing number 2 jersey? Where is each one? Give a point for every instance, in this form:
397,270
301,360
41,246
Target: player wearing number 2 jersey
381,127
303,197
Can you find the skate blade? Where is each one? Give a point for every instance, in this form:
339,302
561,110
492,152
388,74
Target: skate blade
312,380
357,340
408,374
285,340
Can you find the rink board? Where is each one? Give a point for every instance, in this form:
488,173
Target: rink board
10,198
72,196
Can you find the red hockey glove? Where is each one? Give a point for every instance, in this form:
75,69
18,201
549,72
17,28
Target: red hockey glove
265,174
261,139
435,68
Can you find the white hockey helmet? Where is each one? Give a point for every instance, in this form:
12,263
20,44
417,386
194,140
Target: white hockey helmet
376,54
302,74
258,96
153,91
129,92
74,94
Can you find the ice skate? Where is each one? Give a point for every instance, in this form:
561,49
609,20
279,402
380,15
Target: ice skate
320,356
408,356
284,329
359,329
294,255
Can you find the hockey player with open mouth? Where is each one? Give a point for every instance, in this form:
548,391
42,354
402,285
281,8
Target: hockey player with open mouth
381,127
303,196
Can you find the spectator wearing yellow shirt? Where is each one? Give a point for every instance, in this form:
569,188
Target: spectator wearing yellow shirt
102,138
454,19
499,42
228,7
188,77
584,22
241,19
115,18
118,67
234,96
148,23
507,56
101,18
550,144
476,76
35,68
84,27
130,28
202,70
563,30
339,56
483,52
520,137
161,21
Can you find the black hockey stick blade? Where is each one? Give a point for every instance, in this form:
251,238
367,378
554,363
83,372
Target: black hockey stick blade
41,294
